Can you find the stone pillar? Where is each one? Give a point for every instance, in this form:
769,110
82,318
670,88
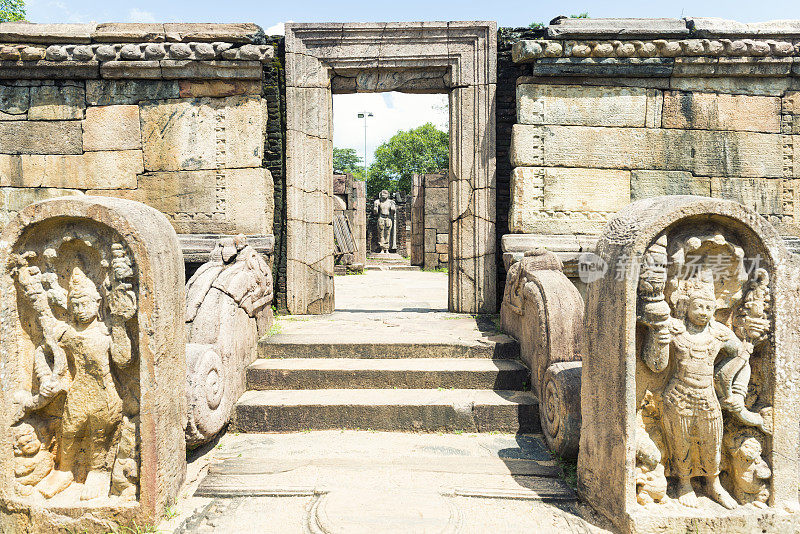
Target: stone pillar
690,370
92,347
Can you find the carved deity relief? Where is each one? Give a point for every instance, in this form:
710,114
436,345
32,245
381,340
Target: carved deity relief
76,409
704,414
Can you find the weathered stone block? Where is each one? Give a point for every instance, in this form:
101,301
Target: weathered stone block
536,193
586,189
58,256
759,194
646,184
713,111
250,203
702,152
113,92
112,128
14,101
57,103
14,199
441,248
581,105
34,137
92,170
764,86
217,88
442,238
203,133
440,180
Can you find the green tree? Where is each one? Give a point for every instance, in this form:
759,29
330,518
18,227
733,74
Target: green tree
346,160
12,10
419,150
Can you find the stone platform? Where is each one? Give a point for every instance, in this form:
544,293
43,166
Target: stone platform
349,481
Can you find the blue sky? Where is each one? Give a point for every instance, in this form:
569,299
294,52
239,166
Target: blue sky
392,111
517,13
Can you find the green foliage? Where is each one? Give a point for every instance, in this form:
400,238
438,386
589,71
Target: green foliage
536,25
584,15
346,160
569,469
12,10
420,150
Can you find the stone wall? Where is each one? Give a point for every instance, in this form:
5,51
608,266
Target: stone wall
430,222
610,111
182,117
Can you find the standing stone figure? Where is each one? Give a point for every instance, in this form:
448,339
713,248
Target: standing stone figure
228,308
386,210
98,350
711,371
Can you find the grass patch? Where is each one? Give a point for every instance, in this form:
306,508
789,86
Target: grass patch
569,468
275,329
437,270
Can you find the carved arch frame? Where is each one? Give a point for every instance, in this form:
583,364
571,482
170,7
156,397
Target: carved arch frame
457,58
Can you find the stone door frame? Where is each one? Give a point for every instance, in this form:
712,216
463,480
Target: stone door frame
457,58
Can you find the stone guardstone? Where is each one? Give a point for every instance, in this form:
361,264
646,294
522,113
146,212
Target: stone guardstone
228,309
689,396
543,310
92,348
374,512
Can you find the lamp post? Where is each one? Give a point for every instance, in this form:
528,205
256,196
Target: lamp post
364,115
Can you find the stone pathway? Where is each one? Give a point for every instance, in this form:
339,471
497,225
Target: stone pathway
391,290
390,358
375,482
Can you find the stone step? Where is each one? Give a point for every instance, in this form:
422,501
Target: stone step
409,373
501,347
412,410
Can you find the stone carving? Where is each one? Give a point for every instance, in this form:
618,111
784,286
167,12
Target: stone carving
142,52
98,350
711,363
89,361
688,372
524,51
386,210
544,311
228,308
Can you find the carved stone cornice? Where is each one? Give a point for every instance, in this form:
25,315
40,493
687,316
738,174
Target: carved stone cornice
530,50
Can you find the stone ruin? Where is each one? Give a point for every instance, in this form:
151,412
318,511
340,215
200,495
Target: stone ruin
680,376
90,426
689,400
228,309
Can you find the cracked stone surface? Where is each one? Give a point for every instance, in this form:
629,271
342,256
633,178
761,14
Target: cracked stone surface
350,481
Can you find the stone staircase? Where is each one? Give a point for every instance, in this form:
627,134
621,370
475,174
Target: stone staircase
318,377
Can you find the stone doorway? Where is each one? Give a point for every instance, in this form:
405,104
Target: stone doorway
457,58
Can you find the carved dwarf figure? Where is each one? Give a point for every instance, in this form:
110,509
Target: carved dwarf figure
749,473
32,461
385,208
651,481
93,407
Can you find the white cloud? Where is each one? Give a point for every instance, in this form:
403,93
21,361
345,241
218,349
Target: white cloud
277,29
139,15
391,112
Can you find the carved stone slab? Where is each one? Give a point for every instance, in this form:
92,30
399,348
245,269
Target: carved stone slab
689,384
92,346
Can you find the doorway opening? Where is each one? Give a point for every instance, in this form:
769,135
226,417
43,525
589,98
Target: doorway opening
391,201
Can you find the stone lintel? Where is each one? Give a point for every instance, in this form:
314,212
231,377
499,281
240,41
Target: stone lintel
616,28
128,32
